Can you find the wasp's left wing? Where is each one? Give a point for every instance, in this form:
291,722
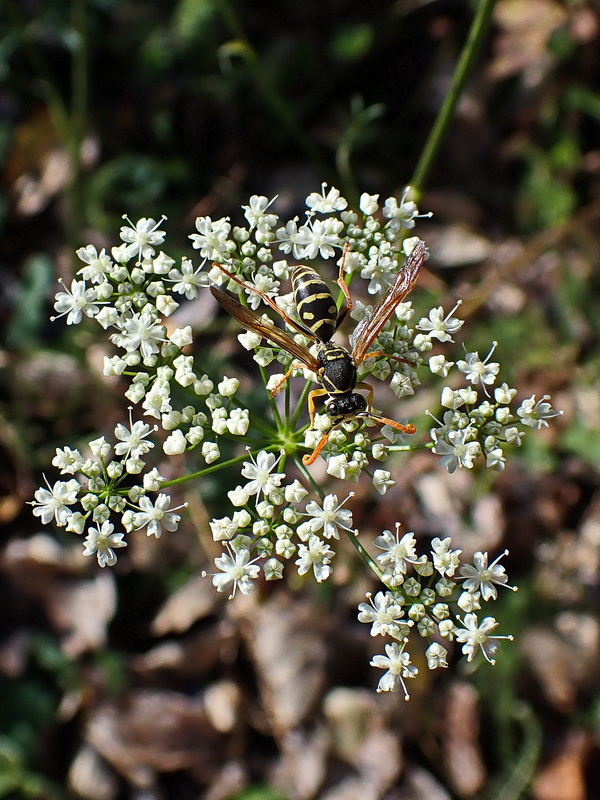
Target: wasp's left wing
252,321
368,328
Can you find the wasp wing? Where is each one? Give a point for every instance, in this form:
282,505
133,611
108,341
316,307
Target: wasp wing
252,321
369,327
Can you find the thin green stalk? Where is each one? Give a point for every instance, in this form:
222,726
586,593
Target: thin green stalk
273,98
470,51
366,556
216,467
78,117
69,123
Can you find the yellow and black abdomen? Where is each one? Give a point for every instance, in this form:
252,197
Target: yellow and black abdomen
316,307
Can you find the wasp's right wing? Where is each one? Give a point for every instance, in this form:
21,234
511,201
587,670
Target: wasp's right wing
370,326
252,321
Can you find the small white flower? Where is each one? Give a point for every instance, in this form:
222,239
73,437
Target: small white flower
445,560
439,366
132,441
338,466
157,516
211,238
210,452
503,394
249,339
439,327
536,413
326,518
68,461
317,554
260,476
53,503
469,601
75,302
457,448
295,492
398,552
175,444
481,577
383,612
237,571
238,421
474,635
228,387
398,666
368,203
255,213
382,480
326,203
102,541
153,480
188,280
478,371
436,656
141,332
223,529
141,237
98,264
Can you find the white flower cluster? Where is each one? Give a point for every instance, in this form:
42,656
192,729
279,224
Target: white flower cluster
273,520
475,425
103,491
274,524
424,594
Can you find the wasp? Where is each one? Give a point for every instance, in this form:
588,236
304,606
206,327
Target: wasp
334,365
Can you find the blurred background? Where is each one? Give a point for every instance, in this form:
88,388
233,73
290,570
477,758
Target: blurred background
140,682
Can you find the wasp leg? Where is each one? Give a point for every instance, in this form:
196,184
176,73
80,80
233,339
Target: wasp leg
307,459
341,282
265,298
311,404
277,388
399,426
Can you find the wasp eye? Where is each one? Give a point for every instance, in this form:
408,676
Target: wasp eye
333,408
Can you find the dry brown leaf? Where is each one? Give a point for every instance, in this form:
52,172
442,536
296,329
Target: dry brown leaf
191,602
90,777
152,732
419,784
461,746
563,778
82,610
192,657
526,26
546,654
287,646
302,767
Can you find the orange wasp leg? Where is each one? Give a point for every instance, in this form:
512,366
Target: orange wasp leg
341,282
277,388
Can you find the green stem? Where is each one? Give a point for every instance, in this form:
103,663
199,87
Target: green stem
216,467
470,51
366,556
79,102
272,96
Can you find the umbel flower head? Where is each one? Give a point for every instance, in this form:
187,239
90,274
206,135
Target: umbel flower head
190,420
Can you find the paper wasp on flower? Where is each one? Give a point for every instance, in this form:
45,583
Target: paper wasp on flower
334,366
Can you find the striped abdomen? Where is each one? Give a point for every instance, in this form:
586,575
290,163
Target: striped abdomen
316,307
